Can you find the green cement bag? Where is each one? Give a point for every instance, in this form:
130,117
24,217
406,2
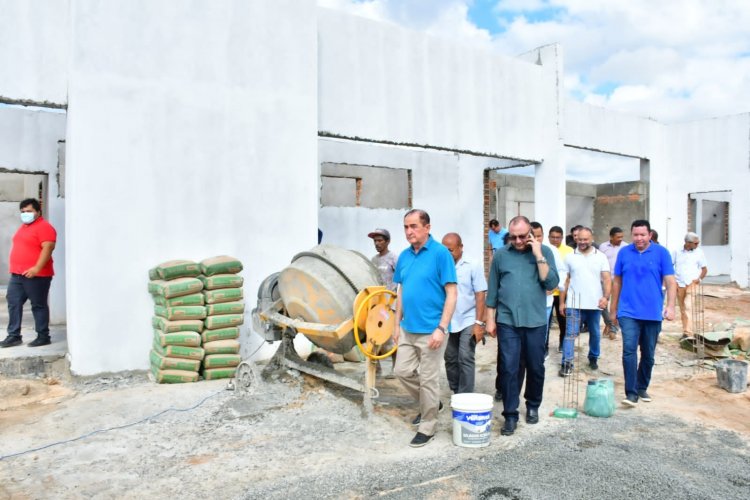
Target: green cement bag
178,269
229,346
223,321
166,362
187,339
222,264
179,287
221,360
223,295
195,299
178,351
220,334
225,308
174,376
155,286
221,281
153,274
166,326
179,313
216,373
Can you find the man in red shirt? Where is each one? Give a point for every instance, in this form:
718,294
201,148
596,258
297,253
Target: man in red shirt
30,274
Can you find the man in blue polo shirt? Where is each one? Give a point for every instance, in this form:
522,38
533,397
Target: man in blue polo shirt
426,276
641,269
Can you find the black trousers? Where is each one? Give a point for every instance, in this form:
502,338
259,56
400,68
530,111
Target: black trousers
560,319
36,290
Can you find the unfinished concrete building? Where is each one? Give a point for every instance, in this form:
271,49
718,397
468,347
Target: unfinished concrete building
241,127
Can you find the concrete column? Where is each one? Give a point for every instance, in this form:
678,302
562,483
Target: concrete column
549,188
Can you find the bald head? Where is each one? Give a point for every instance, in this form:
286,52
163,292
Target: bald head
452,241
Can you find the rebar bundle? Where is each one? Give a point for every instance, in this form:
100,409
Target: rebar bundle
699,326
569,403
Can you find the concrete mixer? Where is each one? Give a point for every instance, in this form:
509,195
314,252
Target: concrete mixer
336,299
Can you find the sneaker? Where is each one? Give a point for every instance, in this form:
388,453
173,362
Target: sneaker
420,440
40,341
630,400
418,419
498,396
559,349
684,337
644,396
593,364
11,342
546,355
566,370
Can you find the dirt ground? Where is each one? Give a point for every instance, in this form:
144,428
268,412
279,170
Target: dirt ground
296,436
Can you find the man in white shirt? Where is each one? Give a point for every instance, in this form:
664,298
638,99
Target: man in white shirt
467,324
690,268
586,292
611,248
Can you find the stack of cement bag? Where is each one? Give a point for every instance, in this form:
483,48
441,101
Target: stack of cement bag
179,312
222,291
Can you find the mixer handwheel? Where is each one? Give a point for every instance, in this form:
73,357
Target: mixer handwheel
246,378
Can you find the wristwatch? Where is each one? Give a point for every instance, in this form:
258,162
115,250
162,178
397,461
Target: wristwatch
480,323
541,261
442,329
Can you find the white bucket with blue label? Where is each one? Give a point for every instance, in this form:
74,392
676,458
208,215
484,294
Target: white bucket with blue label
472,419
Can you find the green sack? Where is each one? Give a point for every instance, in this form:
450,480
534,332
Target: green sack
175,288
221,281
217,373
195,299
221,360
174,376
178,351
228,346
222,264
223,295
187,325
223,321
225,308
166,362
153,274
179,313
220,334
600,398
188,339
178,269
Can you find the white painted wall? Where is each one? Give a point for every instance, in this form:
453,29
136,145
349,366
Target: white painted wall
191,133
28,143
34,38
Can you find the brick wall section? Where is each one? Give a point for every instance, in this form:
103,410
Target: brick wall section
487,248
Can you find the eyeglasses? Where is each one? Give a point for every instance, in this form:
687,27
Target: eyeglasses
518,237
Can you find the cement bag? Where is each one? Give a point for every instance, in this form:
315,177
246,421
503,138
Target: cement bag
166,326
223,295
179,313
221,360
220,334
178,351
178,269
229,346
155,286
194,299
153,274
225,308
221,281
175,288
165,362
216,373
223,321
188,339
173,376
223,264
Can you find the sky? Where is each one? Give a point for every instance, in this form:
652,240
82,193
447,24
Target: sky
671,60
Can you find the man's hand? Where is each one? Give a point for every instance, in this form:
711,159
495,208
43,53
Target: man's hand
603,303
696,281
31,272
478,333
561,308
491,329
436,339
613,317
396,334
536,248
669,313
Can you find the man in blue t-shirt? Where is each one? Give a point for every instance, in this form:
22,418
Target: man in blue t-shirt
426,278
641,269
496,235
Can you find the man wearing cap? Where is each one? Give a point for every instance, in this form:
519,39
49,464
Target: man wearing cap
426,275
31,274
689,269
384,260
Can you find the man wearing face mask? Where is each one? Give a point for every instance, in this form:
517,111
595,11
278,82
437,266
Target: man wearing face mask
31,273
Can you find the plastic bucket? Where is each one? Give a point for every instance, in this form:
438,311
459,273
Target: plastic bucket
732,374
472,419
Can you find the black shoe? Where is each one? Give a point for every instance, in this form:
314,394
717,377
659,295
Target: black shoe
630,400
593,364
559,349
40,341
11,342
532,416
509,427
498,396
546,354
566,370
420,440
418,419
644,396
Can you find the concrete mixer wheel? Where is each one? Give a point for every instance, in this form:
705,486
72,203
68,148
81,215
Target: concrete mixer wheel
246,378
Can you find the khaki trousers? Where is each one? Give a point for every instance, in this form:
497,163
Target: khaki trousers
685,301
418,368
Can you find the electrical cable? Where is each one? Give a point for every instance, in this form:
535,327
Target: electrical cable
100,431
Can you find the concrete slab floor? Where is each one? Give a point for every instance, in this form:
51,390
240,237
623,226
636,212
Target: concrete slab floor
58,334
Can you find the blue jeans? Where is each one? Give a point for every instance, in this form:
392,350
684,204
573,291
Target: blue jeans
521,350
459,360
591,318
635,333
36,290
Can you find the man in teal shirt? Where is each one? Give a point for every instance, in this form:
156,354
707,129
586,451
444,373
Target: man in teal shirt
520,276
